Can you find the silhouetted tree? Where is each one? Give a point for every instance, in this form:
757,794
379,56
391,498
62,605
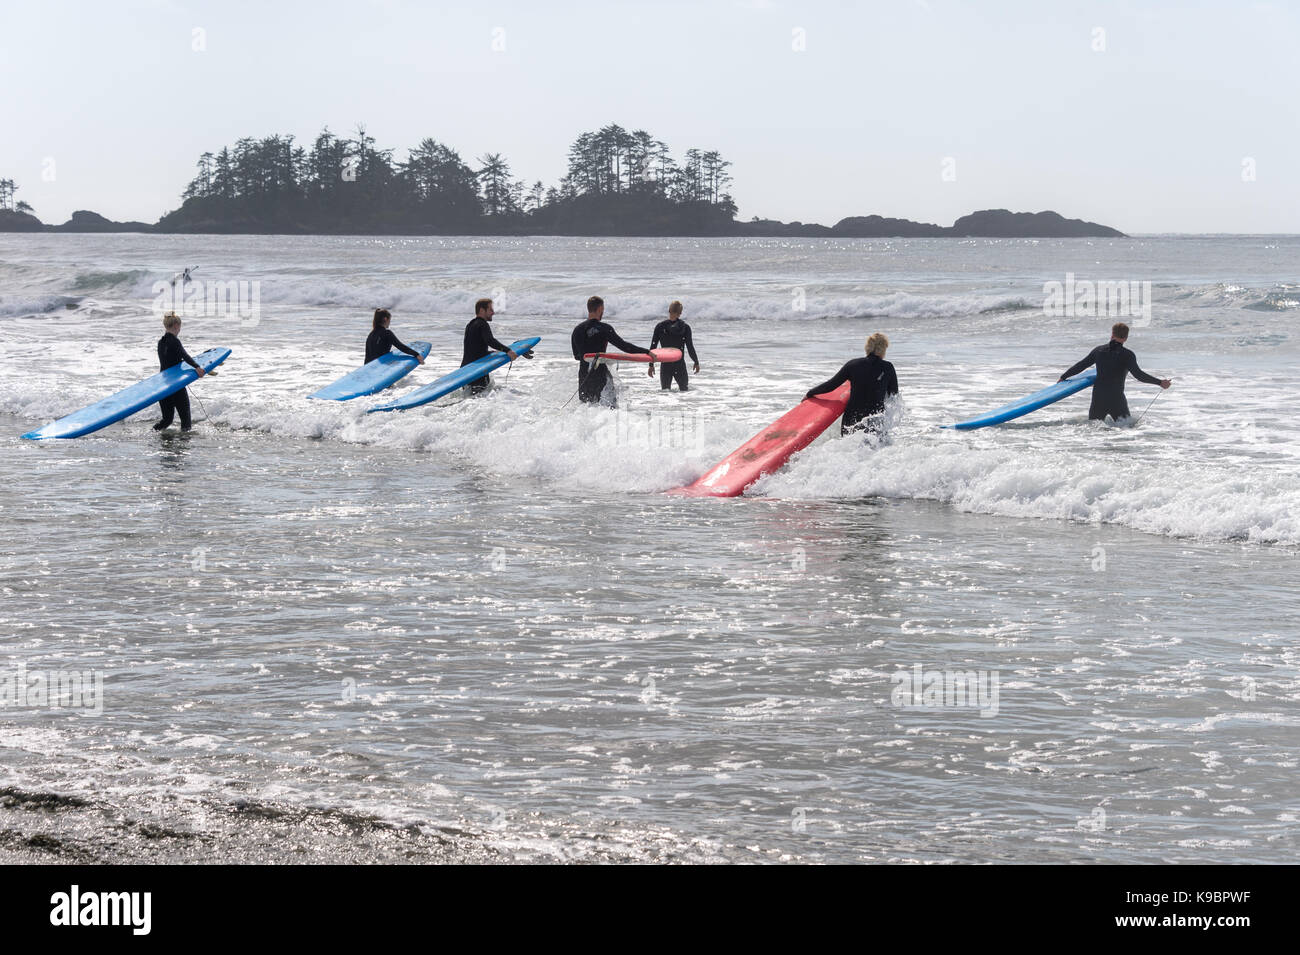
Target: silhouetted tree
615,180
494,185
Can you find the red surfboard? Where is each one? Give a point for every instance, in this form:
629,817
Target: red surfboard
657,354
767,451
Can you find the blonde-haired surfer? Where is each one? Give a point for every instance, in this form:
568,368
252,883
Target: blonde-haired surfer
872,380
171,353
672,332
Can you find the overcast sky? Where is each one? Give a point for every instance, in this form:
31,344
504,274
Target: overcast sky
1140,115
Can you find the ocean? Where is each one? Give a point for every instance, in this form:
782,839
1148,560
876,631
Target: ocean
480,632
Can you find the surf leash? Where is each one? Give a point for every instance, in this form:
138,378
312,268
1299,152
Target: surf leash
594,363
1146,409
206,416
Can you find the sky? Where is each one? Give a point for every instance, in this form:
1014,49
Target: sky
1146,116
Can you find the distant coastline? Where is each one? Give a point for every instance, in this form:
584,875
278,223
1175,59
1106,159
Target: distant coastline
618,183
988,223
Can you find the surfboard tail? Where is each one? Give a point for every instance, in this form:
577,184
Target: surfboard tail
769,450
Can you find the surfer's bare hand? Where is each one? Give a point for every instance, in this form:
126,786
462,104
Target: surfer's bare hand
651,372
696,368
512,355
420,359
1165,382
202,372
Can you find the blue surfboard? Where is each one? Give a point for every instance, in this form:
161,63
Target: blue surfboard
457,379
1022,406
373,375
128,401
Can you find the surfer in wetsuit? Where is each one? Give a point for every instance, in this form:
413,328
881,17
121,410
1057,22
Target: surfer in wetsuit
594,335
872,380
381,341
171,353
1114,364
479,339
672,332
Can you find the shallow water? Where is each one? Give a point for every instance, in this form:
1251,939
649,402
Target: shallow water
481,619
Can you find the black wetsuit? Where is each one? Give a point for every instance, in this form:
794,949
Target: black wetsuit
171,353
674,334
478,341
381,341
872,380
1114,363
592,336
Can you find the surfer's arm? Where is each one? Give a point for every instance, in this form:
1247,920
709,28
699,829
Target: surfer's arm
1075,369
891,386
1141,375
185,357
489,340
393,342
831,384
690,348
654,339
627,346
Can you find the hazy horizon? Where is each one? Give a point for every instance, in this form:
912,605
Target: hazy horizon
918,110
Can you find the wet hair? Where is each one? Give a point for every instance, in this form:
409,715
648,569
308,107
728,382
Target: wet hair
380,315
594,303
481,304
675,308
877,344
171,320
1120,331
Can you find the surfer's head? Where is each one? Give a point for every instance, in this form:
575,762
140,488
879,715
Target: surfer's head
382,317
877,344
675,310
1119,332
595,307
483,309
171,321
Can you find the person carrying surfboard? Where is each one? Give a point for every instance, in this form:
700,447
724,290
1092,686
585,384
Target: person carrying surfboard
872,380
479,340
594,335
171,352
1114,364
381,341
672,332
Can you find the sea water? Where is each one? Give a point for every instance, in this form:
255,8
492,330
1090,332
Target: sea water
480,631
